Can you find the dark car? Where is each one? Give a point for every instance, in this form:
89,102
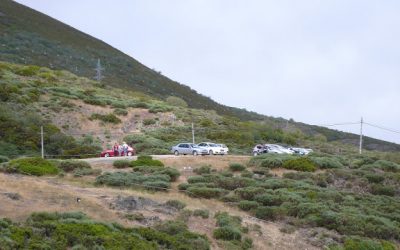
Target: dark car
110,152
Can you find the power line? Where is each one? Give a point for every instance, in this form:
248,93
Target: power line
337,124
383,128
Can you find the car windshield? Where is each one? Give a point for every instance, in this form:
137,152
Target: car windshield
213,145
194,145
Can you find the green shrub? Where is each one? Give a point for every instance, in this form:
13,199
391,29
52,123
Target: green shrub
176,101
326,162
367,244
124,179
110,118
236,167
206,169
248,193
379,189
232,183
76,231
120,111
183,186
28,70
149,121
248,205
387,166
205,192
266,213
156,185
3,159
203,213
172,227
79,172
300,164
122,163
146,160
176,204
32,166
71,165
375,178
227,233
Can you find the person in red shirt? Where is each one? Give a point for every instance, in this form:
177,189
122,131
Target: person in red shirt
115,148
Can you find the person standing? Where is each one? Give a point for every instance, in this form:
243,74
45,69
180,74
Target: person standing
125,148
116,148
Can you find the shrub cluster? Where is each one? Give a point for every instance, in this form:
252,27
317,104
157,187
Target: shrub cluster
146,160
71,165
135,179
122,163
76,231
176,204
300,164
110,118
32,166
236,167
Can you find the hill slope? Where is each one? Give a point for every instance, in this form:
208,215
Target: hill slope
30,37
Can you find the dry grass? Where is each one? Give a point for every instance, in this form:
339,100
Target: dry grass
59,194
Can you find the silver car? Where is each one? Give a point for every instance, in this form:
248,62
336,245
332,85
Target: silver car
188,149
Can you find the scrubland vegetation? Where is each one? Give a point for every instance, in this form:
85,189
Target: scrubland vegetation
75,230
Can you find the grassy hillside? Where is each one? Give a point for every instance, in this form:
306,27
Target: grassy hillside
81,116
32,38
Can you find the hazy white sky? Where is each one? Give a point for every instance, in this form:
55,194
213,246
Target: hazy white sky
315,61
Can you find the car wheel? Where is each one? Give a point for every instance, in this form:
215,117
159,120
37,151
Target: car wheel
176,152
107,155
194,153
211,152
129,153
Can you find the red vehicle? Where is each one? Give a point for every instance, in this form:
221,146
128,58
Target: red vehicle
110,152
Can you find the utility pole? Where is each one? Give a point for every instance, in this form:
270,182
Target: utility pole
193,132
42,141
361,135
98,70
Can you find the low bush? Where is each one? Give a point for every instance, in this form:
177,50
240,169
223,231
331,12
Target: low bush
149,121
387,166
205,192
227,233
176,204
236,167
71,165
206,169
123,179
109,118
172,227
326,162
300,164
171,172
266,213
145,160
248,205
203,213
367,244
79,172
120,111
76,231
379,189
3,159
122,164
375,178
32,166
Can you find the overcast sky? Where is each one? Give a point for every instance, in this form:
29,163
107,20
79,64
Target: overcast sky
316,61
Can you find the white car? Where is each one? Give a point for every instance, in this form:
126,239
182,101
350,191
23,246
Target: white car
213,149
279,149
226,149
